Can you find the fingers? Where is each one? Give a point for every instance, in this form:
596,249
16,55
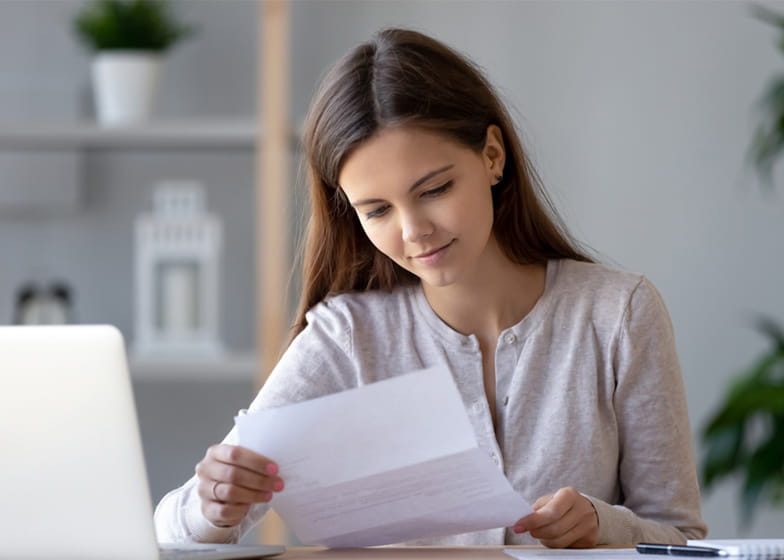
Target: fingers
563,519
225,492
541,502
239,467
242,457
231,479
573,538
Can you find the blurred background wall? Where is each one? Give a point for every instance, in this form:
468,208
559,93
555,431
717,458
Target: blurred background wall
637,114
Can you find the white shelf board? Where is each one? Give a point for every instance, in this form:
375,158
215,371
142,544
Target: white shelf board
231,367
186,134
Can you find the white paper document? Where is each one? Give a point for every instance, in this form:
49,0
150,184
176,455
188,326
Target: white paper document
384,463
573,553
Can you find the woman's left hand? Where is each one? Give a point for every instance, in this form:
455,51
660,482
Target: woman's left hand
561,520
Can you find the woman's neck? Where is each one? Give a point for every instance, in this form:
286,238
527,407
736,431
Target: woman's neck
498,295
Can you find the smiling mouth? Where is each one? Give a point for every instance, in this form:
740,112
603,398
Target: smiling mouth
432,252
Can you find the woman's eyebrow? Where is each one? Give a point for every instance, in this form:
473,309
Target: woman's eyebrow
416,184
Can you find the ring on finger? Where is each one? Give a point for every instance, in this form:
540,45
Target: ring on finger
214,488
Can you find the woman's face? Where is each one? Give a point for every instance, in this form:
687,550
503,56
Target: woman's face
424,200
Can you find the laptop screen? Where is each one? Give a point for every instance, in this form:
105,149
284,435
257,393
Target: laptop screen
73,475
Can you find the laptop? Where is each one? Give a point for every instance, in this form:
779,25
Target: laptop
73,482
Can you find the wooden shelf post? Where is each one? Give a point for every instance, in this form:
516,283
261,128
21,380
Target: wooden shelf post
272,209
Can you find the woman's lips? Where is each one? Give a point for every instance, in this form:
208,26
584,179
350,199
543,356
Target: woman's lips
434,255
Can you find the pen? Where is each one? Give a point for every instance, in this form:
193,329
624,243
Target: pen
679,550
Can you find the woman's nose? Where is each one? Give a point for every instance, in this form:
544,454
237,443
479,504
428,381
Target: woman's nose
415,226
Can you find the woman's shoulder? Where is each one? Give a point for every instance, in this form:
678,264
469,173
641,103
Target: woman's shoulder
602,286
366,307
593,276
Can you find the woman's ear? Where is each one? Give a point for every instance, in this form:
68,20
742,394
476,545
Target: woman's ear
494,154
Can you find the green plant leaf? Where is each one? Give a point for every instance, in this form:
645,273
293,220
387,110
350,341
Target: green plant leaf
772,96
777,482
767,15
763,469
723,453
129,25
768,140
755,391
767,145
768,326
754,398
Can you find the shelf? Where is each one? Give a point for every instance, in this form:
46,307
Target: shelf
232,367
173,134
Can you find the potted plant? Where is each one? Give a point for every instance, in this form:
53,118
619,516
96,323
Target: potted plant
745,436
129,38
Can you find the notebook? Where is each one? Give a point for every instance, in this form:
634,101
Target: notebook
769,549
72,476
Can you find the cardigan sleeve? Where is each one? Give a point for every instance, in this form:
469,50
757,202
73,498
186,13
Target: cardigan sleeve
660,499
318,362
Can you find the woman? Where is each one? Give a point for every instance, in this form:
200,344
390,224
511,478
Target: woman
430,241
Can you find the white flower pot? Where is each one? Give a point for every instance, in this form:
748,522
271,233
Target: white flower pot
125,85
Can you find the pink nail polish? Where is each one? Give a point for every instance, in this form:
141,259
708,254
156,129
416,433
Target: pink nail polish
278,486
272,468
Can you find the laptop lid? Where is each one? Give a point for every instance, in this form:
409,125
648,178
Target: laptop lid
72,480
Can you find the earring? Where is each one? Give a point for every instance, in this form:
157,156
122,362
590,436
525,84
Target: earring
498,179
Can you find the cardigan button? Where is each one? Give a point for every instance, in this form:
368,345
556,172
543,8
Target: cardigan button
510,338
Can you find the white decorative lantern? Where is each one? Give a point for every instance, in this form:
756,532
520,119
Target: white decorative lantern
177,262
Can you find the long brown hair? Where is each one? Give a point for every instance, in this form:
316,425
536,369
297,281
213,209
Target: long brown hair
403,77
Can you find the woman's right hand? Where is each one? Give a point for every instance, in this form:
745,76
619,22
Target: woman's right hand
231,479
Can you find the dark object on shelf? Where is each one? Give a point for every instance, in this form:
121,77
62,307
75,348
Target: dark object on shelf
51,305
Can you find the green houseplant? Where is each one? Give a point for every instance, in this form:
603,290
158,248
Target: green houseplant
143,25
745,435
129,39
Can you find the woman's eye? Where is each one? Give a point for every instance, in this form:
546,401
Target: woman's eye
380,211
438,190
